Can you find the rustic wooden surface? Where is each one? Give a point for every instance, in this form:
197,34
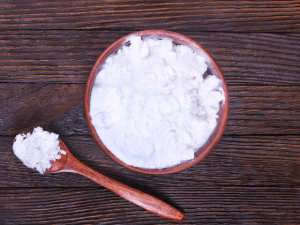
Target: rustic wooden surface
47,49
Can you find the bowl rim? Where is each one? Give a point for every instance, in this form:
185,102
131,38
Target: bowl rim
179,167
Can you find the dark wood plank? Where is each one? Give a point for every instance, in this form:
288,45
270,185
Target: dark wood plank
68,56
55,107
236,161
263,110
60,108
254,16
47,50
202,205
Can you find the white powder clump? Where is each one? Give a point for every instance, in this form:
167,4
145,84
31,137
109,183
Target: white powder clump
151,106
36,150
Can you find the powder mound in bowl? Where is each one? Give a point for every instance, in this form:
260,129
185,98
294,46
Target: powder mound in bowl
36,150
151,105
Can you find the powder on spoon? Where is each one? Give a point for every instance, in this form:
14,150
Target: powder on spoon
150,104
36,150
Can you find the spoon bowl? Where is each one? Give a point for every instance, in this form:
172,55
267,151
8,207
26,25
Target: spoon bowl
59,164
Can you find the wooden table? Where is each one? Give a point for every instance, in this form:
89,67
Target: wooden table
47,49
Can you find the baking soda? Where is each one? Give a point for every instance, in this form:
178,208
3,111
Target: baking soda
150,104
38,149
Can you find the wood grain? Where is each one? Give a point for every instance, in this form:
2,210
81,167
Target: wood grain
59,108
47,49
68,56
202,205
55,107
236,161
241,16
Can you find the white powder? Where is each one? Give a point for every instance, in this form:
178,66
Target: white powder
36,150
151,106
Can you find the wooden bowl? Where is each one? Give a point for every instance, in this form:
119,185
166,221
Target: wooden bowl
213,69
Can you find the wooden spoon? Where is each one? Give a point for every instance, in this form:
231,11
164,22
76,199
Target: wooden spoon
68,163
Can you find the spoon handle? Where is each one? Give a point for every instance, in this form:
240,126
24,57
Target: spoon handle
137,197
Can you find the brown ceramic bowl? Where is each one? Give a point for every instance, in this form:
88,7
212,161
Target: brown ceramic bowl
213,69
